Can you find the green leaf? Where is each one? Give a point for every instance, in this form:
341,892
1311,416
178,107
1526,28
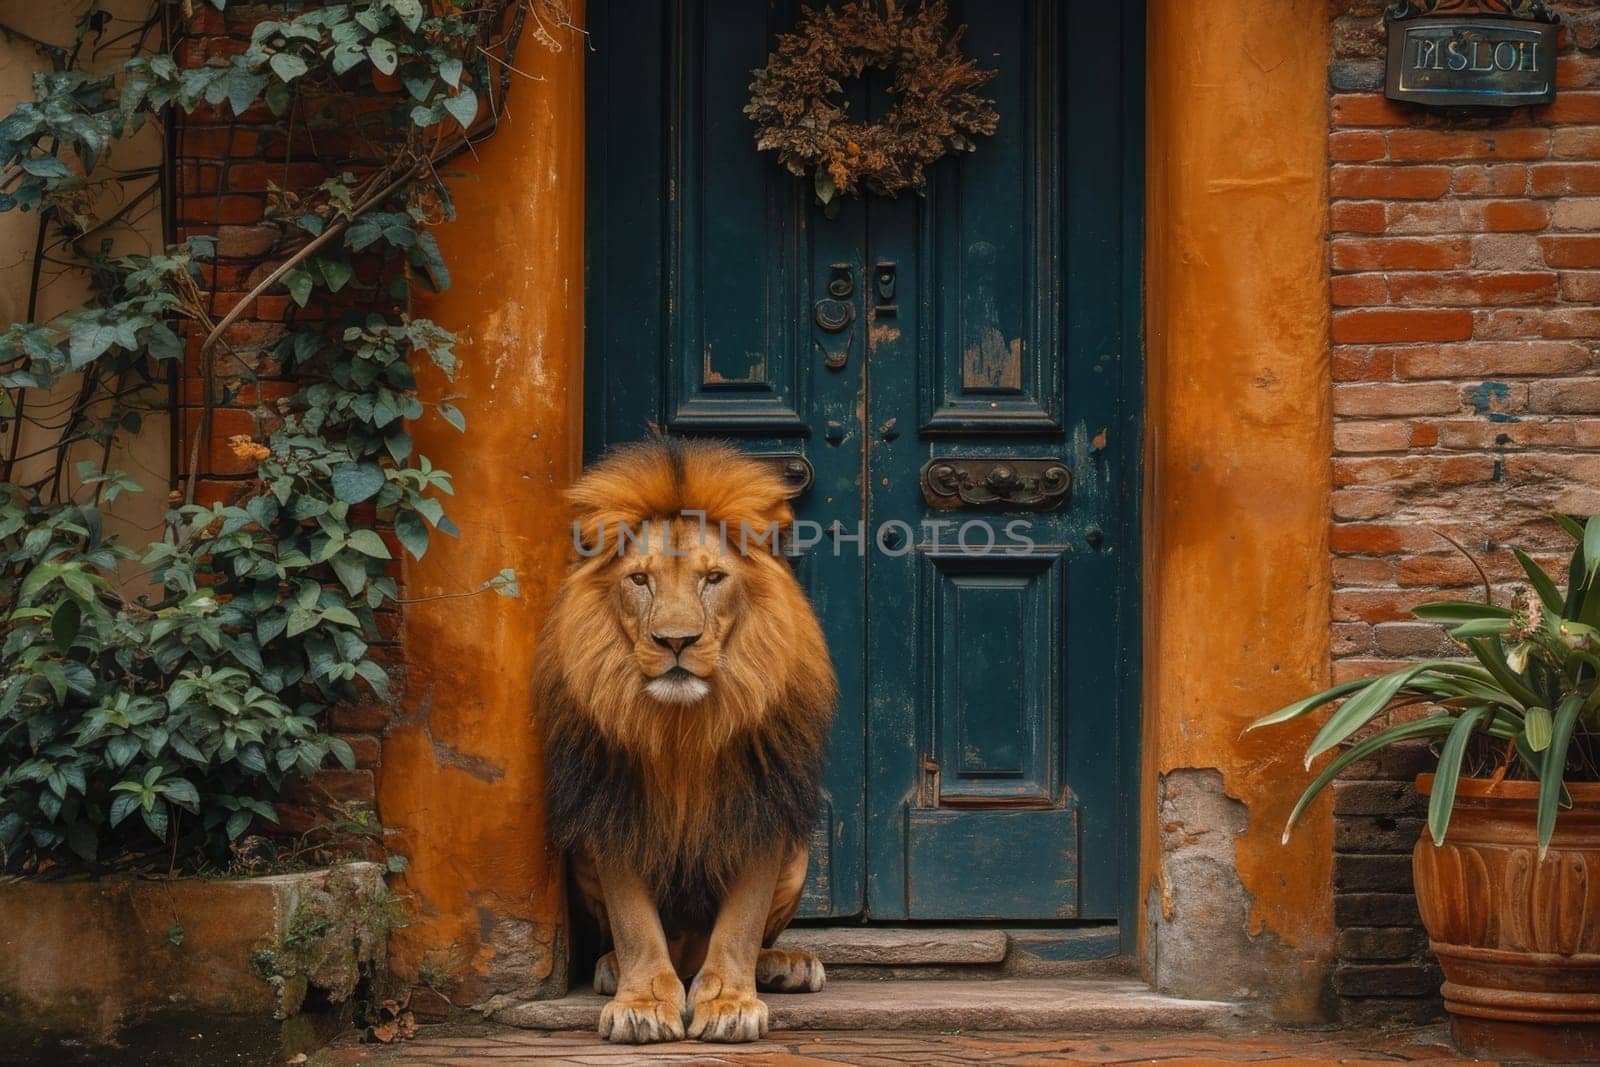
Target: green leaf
450,71
1479,628
452,414
1552,770
88,341
1536,727
181,791
64,624
1300,707
505,584
121,749
55,676
368,543
243,88
408,11
45,167
1460,611
238,823
1360,709
1591,546
1436,724
1445,779
1548,596
155,817
412,531
355,482
1492,654
342,752
301,620
463,107
341,616
37,579
346,55
383,55
287,67
351,571
123,806
336,273
299,284
175,933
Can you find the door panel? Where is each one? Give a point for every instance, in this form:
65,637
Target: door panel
994,847
990,238
979,765
736,238
993,634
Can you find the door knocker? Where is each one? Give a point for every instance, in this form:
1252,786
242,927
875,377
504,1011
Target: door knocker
836,313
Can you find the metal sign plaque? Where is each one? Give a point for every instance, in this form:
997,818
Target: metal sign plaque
1481,62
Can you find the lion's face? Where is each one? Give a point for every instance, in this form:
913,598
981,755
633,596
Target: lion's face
679,626
678,596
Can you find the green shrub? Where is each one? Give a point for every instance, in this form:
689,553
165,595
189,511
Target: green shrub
164,724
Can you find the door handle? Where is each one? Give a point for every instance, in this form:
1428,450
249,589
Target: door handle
995,481
833,315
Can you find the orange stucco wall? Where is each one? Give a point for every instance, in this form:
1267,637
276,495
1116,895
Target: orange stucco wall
461,780
1237,469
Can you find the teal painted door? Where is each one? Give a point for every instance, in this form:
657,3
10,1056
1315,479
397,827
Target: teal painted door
961,372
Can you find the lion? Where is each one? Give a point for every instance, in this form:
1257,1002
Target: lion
685,694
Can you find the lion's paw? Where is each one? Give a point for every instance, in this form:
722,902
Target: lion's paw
787,970
723,1013
605,974
643,1017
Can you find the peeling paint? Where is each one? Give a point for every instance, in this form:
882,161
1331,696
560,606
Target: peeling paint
993,363
1486,397
1198,921
520,954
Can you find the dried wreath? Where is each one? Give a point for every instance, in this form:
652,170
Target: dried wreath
795,100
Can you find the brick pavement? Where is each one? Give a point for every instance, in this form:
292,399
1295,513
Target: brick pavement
485,1046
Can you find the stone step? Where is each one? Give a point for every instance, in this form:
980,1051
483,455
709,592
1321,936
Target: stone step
937,1005
877,946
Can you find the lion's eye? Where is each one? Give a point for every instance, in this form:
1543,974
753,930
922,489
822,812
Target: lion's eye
713,577
639,578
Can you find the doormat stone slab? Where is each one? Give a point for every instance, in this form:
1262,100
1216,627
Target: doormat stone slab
934,1006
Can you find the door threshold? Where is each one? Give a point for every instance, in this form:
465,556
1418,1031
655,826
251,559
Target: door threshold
1087,1004
922,952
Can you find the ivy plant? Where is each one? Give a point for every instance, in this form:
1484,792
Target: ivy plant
157,699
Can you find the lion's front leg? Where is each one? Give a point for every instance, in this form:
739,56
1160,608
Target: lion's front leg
648,1005
722,996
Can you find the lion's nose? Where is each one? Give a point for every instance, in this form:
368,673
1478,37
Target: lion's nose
676,644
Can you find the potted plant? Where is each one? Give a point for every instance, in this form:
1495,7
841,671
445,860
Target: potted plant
1507,870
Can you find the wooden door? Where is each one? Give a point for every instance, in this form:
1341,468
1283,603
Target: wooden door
960,373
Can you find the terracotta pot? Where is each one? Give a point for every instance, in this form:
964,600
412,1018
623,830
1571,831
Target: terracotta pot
1519,939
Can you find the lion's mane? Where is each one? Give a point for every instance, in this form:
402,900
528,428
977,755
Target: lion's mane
683,794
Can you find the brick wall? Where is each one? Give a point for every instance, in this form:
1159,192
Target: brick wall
228,174
1465,251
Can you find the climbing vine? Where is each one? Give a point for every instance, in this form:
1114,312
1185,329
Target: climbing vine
157,699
